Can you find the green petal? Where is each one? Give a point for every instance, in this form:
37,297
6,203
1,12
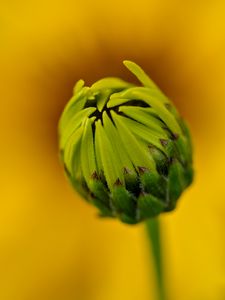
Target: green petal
144,78
142,93
110,83
139,73
78,86
75,104
97,139
117,144
144,133
110,164
72,149
138,155
74,123
125,164
113,101
102,98
124,94
88,163
142,116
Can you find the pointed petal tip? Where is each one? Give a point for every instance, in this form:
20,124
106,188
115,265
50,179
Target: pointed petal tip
142,170
118,182
95,176
78,86
175,136
128,62
126,171
164,142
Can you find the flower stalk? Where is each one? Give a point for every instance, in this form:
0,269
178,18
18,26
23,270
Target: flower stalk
154,236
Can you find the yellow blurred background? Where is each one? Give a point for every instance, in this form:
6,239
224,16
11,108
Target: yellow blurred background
52,244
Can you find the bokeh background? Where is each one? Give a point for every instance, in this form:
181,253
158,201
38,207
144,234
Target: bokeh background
52,244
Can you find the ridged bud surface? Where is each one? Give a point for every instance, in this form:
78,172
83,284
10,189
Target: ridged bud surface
125,148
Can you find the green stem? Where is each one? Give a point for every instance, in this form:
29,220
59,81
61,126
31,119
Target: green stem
153,230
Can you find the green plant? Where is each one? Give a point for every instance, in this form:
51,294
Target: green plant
126,150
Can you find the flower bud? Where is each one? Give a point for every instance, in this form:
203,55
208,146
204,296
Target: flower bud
125,148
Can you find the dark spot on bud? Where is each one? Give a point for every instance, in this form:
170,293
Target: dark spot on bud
163,142
143,170
168,106
118,182
142,194
172,160
66,170
92,196
94,176
137,102
126,171
61,154
175,136
151,147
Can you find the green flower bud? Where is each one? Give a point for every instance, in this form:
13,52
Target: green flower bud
125,148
